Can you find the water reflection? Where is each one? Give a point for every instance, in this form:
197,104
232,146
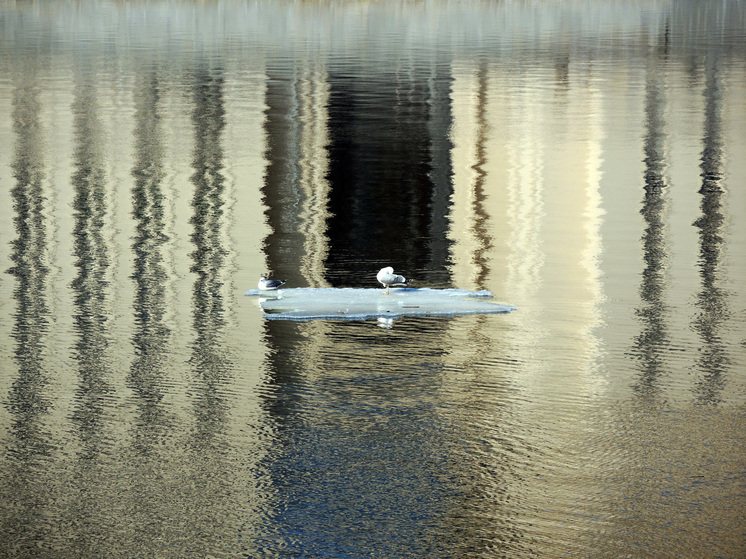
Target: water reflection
327,198
482,405
296,188
388,214
468,229
464,143
653,342
282,191
91,263
151,331
481,218
209,359
91,311
149,500
439,125
210,472
313,166
25,493
526,210
714,311
359,447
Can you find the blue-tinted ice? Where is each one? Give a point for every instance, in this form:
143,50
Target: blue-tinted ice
308,303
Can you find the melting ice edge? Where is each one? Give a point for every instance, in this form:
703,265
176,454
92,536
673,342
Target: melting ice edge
310,303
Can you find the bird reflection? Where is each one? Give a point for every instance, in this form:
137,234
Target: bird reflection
712,299
651,342
91,262
151,331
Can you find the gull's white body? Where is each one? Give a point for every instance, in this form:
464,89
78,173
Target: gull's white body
269,284
387,278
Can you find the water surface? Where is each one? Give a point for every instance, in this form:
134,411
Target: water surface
585,162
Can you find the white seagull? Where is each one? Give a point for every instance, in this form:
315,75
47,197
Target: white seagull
269,284
388,278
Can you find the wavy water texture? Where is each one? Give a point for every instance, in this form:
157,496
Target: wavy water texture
581,161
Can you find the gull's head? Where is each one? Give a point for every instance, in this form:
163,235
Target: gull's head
383,273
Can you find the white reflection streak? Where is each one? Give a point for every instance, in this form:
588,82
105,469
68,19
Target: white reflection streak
526,197
313,97
593,216
464,134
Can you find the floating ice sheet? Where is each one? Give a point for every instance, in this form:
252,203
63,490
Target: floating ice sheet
308,303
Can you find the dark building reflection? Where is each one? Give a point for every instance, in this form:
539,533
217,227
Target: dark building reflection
150,276
91,263
282,194
713,361
439,126
24,494
389,213
651,343
378,214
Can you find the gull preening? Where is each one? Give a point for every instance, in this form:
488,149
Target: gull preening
388,278
269,284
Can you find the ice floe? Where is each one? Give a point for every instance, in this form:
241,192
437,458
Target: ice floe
308,303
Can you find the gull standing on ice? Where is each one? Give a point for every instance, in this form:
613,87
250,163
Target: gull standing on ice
388,278
269,284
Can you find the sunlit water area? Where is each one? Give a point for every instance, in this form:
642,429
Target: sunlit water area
585,162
